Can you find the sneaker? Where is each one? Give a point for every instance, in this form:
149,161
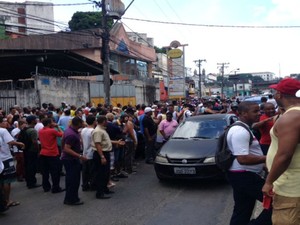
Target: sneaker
58,190
110,185
34,186
114,178
108,192
73,203
124,172
102,196
121,175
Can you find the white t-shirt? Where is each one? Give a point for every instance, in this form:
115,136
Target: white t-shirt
14,133
86,136
273,101
187,114
238,139
5,138
38,126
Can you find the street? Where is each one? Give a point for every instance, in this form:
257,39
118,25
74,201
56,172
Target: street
138,200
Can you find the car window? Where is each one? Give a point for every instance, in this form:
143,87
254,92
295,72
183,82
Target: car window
204,129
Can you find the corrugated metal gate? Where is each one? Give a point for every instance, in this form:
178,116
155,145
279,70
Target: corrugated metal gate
7,101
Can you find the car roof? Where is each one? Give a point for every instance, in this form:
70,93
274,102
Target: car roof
210,117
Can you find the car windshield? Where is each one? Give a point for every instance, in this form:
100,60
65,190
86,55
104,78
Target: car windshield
203,129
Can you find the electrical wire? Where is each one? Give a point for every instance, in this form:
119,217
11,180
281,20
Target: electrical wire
212,25
40,31
47,4
15,14
175,63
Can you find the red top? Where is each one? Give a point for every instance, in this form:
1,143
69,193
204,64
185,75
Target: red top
265,130
141,112
48,141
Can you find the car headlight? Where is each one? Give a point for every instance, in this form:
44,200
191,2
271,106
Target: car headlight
209,160
161,159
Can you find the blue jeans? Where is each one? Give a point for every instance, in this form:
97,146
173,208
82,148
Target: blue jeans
246,190
73,168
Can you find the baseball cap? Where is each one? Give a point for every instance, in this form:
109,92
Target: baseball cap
30,118
234,104
287,86
148,109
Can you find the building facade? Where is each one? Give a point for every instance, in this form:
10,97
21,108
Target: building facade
27,18
266,76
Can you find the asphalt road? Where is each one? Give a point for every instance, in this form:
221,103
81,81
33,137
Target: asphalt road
138,200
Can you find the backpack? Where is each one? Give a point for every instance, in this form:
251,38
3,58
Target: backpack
224,157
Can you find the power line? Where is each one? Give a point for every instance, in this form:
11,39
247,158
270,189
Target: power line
15,14
212,25
175,63
47,4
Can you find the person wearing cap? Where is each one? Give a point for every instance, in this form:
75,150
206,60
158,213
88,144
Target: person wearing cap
234,108
150,129
283,158
30,138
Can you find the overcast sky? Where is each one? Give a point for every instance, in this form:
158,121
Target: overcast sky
249,49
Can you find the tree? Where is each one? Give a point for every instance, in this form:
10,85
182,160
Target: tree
87,20
160,50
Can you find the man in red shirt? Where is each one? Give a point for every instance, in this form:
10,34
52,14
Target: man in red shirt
49,155
264,126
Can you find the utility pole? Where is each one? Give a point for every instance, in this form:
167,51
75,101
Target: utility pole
105,54
199,61
115,10
222,66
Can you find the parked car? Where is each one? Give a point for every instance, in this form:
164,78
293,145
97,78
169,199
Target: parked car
256,99
190,152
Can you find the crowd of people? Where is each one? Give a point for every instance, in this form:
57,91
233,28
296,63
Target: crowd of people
268,169
95,146
98,144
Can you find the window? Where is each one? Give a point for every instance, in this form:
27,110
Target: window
127,66
142,68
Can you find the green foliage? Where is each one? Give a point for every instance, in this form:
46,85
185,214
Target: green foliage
160,50
2,33
87,20
257,79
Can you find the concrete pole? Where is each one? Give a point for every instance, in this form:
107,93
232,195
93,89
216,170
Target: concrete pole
105,54
199,61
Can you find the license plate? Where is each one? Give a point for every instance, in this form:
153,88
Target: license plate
184,170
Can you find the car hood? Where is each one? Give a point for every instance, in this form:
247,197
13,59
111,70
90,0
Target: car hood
191,148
